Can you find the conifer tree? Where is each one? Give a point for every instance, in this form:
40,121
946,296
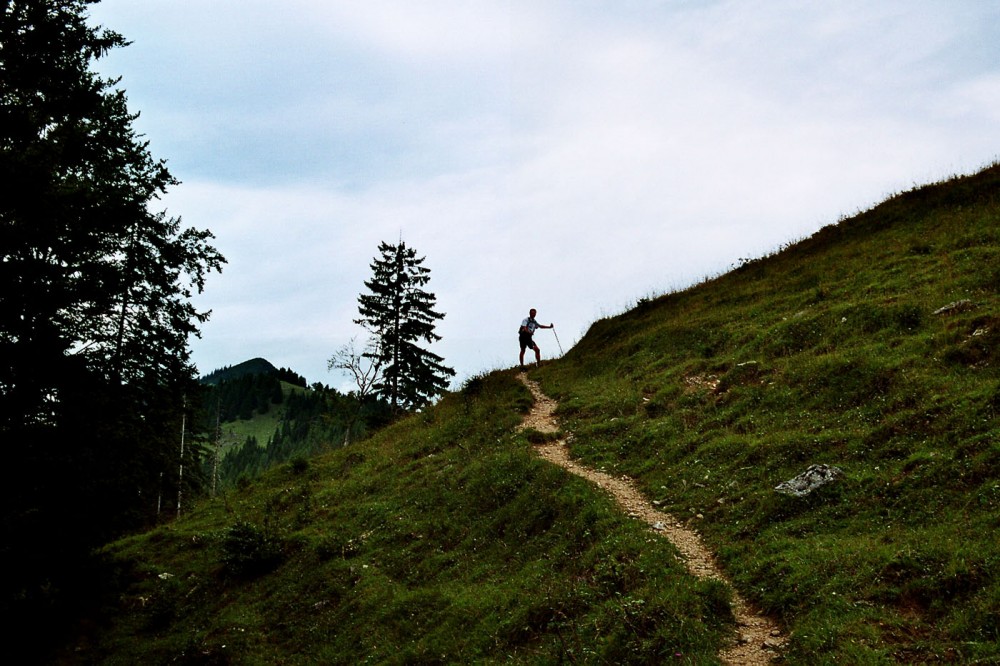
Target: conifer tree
95,310
400,314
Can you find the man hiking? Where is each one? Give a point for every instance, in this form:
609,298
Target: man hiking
528,328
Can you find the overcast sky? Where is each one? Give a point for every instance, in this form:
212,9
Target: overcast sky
572,156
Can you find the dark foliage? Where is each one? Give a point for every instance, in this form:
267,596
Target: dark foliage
250,551
255,366
400,314
95,309
240,398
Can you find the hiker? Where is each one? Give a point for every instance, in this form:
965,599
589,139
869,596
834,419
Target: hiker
528,328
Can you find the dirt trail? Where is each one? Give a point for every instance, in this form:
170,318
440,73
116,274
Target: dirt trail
759,640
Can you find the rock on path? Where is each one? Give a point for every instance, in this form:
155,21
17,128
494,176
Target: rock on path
759,640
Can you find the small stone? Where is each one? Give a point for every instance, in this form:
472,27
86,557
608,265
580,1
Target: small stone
814,477
956,306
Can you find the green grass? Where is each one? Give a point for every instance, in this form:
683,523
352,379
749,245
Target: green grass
261,427
828,352
444,539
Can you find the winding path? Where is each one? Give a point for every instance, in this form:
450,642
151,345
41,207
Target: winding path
759,639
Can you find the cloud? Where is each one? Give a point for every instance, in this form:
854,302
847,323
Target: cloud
975,100
562,155
435,30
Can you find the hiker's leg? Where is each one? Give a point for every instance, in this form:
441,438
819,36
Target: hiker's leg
524,341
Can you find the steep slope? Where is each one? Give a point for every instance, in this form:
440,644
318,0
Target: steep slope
760,640
442,539
871,346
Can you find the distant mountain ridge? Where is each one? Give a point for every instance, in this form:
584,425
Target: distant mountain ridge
255,366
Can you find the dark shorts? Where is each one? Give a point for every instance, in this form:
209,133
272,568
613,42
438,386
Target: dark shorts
525,341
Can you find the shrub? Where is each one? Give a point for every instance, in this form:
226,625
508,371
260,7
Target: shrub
474,385
249,551
299,465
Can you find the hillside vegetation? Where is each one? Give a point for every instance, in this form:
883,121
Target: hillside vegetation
443,539
871,346
254,415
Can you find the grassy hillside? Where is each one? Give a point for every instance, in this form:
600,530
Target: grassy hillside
261,426
443,539
842,350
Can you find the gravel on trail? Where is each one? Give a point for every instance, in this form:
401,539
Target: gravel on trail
759,639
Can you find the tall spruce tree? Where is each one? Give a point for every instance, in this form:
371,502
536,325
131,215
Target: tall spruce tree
399,313
95,314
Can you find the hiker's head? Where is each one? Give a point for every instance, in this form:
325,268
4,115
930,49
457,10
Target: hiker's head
533,312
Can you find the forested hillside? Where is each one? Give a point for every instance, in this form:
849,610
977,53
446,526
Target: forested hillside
255,415
255,366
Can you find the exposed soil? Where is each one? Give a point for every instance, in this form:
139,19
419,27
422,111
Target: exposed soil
759,640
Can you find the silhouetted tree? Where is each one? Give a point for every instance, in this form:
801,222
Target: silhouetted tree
95,311
399,314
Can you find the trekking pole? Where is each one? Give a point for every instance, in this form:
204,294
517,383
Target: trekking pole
557,339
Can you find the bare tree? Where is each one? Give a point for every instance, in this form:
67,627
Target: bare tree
364,367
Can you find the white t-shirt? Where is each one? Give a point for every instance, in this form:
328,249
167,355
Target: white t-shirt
530,324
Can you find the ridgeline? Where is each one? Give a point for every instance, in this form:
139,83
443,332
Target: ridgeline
871,346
